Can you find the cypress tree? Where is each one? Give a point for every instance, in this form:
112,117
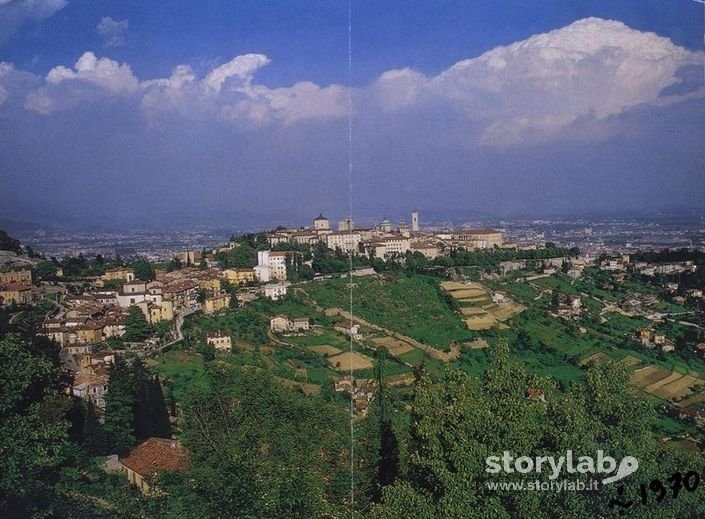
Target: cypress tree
160,415
151,417
388,465
142,411
136,326
119,408
93,437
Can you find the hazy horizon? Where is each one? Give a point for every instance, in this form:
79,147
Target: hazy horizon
124,115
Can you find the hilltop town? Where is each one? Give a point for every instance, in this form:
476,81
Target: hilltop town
322,308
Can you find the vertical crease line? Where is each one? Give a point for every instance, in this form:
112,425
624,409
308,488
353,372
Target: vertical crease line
350,264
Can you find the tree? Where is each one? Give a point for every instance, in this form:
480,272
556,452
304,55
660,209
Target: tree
151,417
7,242
207,351
160,424
456,423
75,266
119,408
388,464
136,326
258,449
89,432
174,264
143,270
33,427
45,270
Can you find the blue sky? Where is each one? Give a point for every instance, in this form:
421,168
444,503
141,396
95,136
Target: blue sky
206,106
308,39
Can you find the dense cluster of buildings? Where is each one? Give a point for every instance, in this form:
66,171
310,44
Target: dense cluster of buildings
385,241
624,262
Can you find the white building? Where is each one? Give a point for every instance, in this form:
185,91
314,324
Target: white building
321,223
479,238
275,290
220,339
415,221
387,246
128,299
345,225
271,265
403,228
385,226
348,242
396,244
283,323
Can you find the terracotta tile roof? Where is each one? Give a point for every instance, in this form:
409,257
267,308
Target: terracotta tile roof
90,379
156,455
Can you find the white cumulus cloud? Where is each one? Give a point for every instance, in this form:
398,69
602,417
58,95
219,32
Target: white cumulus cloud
565,83
103,72
229,92
242,68
592,68
5,70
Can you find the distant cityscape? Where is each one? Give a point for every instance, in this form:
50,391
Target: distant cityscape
594,236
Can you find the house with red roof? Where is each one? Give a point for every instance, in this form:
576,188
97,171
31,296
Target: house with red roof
151,458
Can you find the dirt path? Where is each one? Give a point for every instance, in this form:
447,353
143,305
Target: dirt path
273,338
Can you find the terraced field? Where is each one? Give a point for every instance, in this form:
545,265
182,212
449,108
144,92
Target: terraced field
477,308
662,383
347,360
646,376
665,384
678,388
395,346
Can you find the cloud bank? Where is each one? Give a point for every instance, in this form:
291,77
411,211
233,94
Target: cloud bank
592,115
592,69
537,89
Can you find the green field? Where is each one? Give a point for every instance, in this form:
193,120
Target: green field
181,370
412,305
324,336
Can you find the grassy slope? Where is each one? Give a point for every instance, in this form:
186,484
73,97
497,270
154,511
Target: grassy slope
183,369
411,305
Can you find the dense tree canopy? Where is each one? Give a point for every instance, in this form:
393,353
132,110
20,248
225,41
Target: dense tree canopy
261,450
33,426
136,326
143,270
457,423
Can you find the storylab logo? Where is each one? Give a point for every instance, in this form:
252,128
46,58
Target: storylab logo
605,469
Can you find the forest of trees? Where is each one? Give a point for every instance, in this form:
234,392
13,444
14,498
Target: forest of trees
258,449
